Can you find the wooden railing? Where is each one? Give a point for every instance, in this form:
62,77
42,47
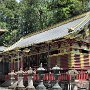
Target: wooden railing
50,77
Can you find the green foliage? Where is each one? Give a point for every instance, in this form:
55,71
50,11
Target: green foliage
30,16
8,19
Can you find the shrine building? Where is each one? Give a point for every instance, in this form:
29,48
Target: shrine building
66,44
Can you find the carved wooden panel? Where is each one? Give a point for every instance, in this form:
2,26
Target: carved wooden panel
43,48
53,46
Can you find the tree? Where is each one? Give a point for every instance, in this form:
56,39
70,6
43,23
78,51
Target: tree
34,16
29,16
8,18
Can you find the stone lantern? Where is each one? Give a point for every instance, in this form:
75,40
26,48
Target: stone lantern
40,71
30,73
56,71
20,74
73,73
88,71
12,78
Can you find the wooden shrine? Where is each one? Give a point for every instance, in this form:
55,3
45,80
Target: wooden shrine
67,45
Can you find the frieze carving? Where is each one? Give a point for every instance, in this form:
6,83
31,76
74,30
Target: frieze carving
53,46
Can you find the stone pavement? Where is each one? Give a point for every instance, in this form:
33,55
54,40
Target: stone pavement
77,83
82,84
1,88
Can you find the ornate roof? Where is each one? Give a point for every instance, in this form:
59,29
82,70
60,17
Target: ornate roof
54,33
2,48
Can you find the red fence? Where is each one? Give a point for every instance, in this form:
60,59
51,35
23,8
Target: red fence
82,76
50,77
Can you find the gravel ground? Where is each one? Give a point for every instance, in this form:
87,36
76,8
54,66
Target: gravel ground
4,88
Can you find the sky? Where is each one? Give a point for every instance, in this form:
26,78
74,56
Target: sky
18,0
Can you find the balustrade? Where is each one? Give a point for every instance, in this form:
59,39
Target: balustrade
47,79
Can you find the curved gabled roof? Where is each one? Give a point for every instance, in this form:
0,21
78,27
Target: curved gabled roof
2,48
55,33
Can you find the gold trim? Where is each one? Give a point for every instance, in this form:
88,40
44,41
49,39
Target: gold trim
81,60
59,54
89,58
88,14
72,59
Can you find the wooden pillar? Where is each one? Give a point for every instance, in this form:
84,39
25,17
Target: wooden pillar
11,64
37,59
21,62
69,61
14,63
49,58
3,66
18,61
58,60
